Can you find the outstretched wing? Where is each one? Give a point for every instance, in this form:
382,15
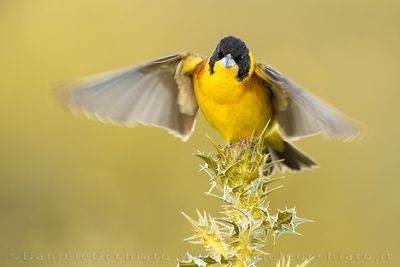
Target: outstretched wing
299,113
156,93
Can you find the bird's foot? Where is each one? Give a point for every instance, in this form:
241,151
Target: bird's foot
242,143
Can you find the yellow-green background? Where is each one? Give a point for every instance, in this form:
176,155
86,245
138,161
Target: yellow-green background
70,185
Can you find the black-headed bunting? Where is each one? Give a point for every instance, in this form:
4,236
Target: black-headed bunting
237,95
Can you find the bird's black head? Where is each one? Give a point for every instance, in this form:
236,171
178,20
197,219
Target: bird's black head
232,51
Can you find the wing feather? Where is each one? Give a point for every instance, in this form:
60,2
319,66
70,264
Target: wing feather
299,113
146,94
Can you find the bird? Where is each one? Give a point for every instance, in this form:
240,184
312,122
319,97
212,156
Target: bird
237,95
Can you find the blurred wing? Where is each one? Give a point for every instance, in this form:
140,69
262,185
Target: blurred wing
299,113
154,93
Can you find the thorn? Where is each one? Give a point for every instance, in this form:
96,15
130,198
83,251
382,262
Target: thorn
272,190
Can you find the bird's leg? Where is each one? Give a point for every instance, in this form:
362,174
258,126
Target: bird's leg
241,144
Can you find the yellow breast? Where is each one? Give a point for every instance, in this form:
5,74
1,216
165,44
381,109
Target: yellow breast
235,108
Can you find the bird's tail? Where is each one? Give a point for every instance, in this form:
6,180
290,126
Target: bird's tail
290,157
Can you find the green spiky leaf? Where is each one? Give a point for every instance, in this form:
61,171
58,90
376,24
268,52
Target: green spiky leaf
241,178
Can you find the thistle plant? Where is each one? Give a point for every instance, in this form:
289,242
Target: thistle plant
241,177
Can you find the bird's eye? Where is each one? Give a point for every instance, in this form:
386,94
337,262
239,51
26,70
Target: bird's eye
238,58
220,55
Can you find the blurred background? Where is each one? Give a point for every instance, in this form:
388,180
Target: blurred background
71,187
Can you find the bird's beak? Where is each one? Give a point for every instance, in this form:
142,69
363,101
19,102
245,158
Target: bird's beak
228,61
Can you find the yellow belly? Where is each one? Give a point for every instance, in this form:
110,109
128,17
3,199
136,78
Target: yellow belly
237,109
